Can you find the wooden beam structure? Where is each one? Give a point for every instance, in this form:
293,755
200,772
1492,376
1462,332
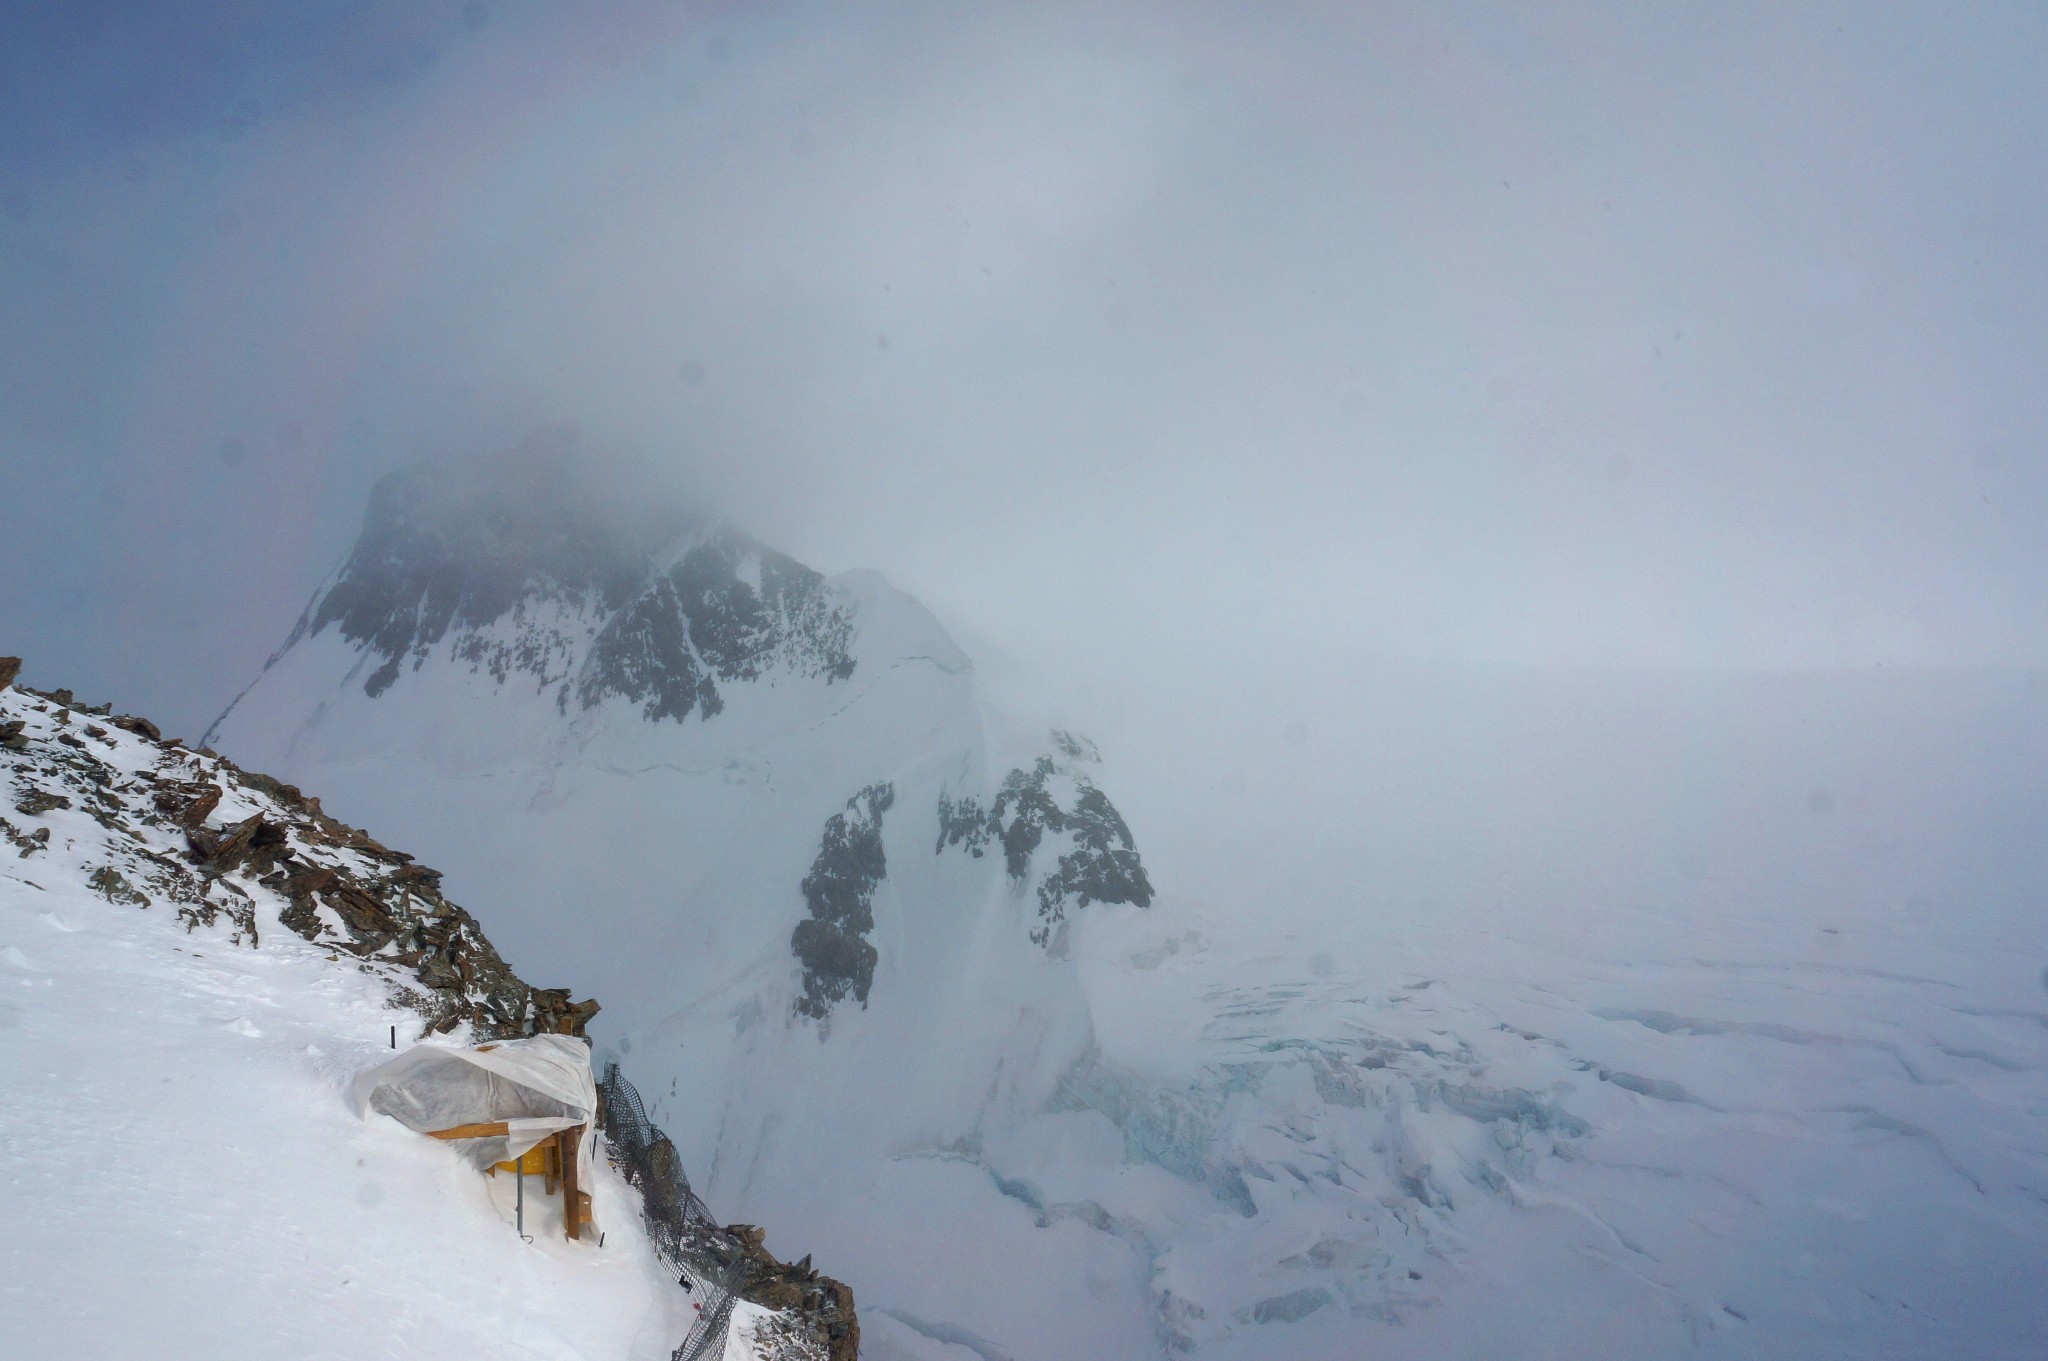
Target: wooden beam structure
557,1163
572,1195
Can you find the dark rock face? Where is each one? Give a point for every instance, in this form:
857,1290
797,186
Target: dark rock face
1102,867
644,654
832,943
1073,747
448,547
1101,862
703,622
963,824
522,570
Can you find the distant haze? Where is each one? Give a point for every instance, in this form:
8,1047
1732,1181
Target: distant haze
1135,339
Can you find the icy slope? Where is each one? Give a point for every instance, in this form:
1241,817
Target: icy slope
184,1174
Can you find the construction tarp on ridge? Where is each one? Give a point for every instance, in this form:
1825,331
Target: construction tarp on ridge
535,1087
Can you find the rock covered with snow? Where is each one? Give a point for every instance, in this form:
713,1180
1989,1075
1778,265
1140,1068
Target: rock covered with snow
100,806
195,832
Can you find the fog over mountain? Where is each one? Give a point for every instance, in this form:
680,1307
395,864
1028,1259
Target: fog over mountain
1565,337
1287,673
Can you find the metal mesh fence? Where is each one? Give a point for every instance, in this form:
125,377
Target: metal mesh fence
684,1234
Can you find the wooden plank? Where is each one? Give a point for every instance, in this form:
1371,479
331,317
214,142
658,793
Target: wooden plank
478,1131
572,1196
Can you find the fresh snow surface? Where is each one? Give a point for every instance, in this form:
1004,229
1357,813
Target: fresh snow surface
184,1176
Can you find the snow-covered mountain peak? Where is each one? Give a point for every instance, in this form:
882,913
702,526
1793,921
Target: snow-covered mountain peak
516,568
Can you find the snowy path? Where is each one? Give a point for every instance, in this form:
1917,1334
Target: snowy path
184,1178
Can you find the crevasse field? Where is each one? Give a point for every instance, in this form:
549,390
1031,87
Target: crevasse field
1771,944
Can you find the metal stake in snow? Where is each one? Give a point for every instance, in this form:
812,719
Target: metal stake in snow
394,1037
519,1199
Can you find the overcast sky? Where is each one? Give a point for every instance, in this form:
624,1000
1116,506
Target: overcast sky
1135,338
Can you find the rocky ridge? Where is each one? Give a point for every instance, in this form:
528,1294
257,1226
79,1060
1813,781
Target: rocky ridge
190,829
232,849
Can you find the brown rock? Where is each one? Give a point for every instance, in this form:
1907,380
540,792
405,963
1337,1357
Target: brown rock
109,883
10,667
200,809
785,1295
287,794
843,1331
141,727
555,1014
36,801
224,853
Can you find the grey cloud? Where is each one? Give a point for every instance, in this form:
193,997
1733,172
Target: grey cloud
1571,337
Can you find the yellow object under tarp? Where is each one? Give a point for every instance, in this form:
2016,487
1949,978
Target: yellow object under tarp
537,1161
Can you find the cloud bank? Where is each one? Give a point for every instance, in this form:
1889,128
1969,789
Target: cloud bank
1134,338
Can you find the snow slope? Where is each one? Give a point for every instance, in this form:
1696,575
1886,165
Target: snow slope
1629,1018
184,1173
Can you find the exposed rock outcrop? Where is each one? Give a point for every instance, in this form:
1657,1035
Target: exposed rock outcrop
195,830
832,943
818,1313
1100,863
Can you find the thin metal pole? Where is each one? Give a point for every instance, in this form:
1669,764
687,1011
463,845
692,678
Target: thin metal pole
519,1197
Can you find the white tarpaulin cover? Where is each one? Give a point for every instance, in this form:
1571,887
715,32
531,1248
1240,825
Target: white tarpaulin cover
536,1086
